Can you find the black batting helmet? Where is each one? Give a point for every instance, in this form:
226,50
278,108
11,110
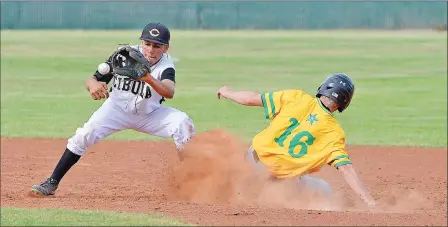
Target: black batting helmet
338,87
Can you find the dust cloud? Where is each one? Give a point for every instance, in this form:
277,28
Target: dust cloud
215,171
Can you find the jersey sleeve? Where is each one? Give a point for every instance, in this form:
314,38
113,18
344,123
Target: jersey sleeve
339,156
103,78
169,74
273,101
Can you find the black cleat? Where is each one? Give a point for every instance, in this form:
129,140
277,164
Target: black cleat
47,188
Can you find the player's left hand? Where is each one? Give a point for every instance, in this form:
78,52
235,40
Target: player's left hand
127,61
223,92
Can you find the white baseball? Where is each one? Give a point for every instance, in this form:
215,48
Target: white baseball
103,68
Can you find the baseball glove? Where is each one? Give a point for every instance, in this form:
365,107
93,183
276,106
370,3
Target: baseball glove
127,61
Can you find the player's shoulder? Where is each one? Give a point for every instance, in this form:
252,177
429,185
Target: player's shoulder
169,59
295,94
165,62
338,128
332,125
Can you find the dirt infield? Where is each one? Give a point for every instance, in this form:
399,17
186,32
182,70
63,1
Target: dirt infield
213,185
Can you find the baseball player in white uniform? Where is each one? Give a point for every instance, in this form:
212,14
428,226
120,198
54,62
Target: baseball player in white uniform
132,104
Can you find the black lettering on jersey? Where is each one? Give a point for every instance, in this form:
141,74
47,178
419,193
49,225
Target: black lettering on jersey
117,83
136,87
148,92
141,89
126,84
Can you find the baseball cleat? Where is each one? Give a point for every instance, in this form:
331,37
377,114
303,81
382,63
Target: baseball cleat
47,188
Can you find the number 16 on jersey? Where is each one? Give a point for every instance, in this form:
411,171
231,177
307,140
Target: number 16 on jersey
296,140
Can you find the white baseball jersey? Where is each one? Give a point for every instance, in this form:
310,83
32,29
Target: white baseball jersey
135,105
137,96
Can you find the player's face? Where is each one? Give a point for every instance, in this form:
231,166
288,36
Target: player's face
153,51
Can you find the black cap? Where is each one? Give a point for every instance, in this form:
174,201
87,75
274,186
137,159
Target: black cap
157,33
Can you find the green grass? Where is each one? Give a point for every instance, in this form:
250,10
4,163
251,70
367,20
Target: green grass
63,217
400,78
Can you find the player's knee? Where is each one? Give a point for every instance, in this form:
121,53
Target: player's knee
251,156
83,139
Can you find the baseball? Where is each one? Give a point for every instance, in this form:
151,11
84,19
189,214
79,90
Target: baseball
103,68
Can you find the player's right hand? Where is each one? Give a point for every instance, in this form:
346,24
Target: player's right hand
223,91
98,90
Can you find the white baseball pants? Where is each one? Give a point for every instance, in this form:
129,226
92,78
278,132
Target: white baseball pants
305,182
166,122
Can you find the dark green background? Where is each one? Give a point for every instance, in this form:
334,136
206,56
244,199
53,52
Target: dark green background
224,15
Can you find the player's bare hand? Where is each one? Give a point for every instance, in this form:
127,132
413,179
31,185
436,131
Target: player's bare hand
223,91
98,90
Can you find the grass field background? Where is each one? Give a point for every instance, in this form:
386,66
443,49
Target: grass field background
400,78
63,217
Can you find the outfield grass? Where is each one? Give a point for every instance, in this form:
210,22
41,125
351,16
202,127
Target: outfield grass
400,78
63,217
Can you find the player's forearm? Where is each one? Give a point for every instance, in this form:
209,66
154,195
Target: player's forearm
247,98
161,88
353,180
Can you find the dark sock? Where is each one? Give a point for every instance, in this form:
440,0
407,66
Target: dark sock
67,160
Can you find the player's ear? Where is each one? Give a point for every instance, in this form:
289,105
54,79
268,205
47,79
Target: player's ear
166,47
